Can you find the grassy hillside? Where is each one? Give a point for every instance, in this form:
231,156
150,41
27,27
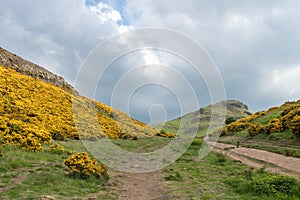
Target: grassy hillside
201,118
276,129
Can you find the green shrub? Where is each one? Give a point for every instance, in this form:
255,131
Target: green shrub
229,120
273,184
263,183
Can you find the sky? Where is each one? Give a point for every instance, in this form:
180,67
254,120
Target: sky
254,44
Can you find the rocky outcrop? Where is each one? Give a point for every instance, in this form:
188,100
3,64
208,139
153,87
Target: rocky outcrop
8,59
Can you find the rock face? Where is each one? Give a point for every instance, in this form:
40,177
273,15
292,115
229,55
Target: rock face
8,59
234,104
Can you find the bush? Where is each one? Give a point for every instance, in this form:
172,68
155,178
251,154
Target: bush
263,183
229,120
288,115
274,125
294,126
255,129
234,127
81,164
56,148
166,134
270,184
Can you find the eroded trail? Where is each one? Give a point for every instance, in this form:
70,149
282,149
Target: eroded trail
258,158
140,186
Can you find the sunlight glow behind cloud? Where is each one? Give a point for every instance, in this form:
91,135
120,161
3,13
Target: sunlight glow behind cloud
255,43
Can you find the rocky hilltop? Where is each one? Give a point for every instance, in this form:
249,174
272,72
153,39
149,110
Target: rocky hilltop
202,117
10,60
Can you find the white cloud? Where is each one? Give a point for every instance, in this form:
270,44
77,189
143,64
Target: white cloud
106,13
284,82
149,57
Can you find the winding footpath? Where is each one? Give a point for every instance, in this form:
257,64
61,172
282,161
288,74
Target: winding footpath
273,162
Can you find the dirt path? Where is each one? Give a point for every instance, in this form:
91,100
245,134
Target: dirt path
258,158
140,186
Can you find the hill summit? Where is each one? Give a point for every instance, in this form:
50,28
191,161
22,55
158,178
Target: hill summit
25,67
201,118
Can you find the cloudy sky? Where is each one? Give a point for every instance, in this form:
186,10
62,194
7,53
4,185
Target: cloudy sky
255,45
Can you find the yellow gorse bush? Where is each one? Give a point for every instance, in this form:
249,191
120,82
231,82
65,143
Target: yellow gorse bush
56,147
274,125
84,166
255,129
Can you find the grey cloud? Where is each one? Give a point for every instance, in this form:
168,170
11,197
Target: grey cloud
57,34
248,40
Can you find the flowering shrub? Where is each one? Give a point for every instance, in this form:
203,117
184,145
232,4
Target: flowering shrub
274,125
294,126
84,166
163,133
56,147
25,136
234,127
255,129
290,118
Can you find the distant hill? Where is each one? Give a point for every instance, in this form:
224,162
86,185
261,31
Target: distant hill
38,107
202,117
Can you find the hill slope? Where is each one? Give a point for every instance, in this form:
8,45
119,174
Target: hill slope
281,119
10,60
33,112
276,129
201,118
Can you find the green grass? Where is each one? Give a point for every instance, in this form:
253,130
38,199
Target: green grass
31,175
266,118
193,178
142,145
266,185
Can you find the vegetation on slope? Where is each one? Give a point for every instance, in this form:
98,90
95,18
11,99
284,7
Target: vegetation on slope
218,177
276,130
275,120
34,112
201,118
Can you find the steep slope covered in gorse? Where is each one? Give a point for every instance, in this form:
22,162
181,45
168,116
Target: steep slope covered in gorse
34,112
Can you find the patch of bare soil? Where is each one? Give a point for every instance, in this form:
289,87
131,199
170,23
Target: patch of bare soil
258,158
137,186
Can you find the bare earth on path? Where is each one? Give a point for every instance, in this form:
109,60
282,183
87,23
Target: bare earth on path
137,186
258,158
